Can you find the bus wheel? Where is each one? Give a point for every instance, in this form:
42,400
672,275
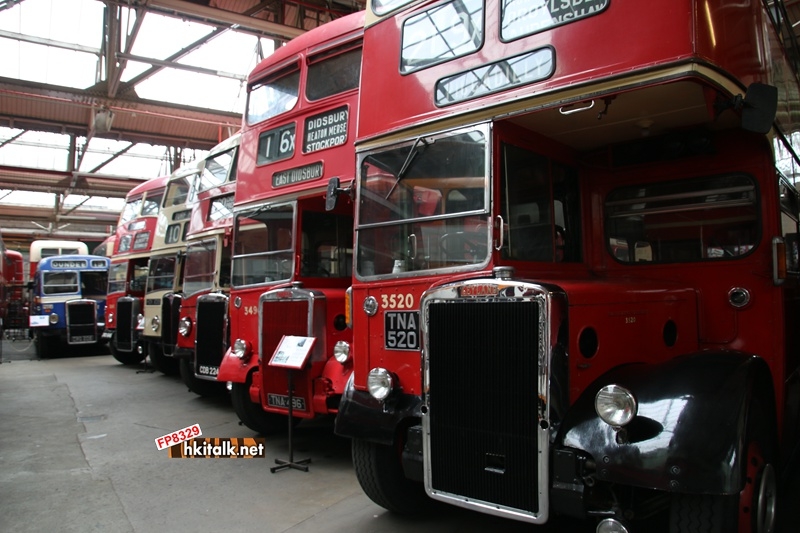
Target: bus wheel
44,345
381,477
126,358
251,414
754,509
200,387
162,363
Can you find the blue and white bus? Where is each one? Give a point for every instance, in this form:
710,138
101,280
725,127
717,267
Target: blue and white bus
69,301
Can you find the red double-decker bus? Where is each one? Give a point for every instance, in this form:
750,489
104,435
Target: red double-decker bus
577,267
292,259
195,329
127,274
14,306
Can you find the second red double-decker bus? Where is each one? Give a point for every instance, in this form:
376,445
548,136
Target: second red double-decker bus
576,280
196,321
292,259
127,274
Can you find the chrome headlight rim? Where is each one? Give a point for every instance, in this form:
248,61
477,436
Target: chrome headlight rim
380,383
53,319
341,351
615,405
241,349
155,323
185,326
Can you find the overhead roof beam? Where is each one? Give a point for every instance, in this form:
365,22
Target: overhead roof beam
181,66
49,42
212,15
174,57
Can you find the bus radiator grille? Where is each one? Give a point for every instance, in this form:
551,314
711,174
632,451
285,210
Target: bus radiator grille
483,401
170,313
81,322
212,336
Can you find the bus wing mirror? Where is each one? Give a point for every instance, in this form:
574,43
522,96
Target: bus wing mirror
333,192
760,108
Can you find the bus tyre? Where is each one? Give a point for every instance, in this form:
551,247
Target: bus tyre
44,345
126,358
251,414
381,477
162,363
754,509
200,387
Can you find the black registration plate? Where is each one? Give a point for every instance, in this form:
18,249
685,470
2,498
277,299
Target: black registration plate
401,330
279,400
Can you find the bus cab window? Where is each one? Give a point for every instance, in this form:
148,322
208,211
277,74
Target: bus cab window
60,283
540,204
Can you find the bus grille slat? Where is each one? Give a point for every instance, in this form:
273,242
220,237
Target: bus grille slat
212,339
81,322
126,334
170,313
484,400
282,317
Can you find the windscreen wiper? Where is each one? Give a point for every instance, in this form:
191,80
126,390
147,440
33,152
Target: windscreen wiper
412,154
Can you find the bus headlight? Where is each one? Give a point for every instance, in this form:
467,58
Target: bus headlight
53,319
379,383
241,349
341,351
185,326
615,405
154,323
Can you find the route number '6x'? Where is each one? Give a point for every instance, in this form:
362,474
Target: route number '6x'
397,301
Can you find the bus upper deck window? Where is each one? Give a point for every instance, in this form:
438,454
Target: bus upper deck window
440,34
520,17
271,98
333,75
381,7
152,204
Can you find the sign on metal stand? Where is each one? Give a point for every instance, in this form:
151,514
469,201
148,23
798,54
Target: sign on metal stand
291,354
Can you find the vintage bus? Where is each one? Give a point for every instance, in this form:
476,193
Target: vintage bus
292,259
165,267
127,273
195,322
14,296
69,302
576,273
13,307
